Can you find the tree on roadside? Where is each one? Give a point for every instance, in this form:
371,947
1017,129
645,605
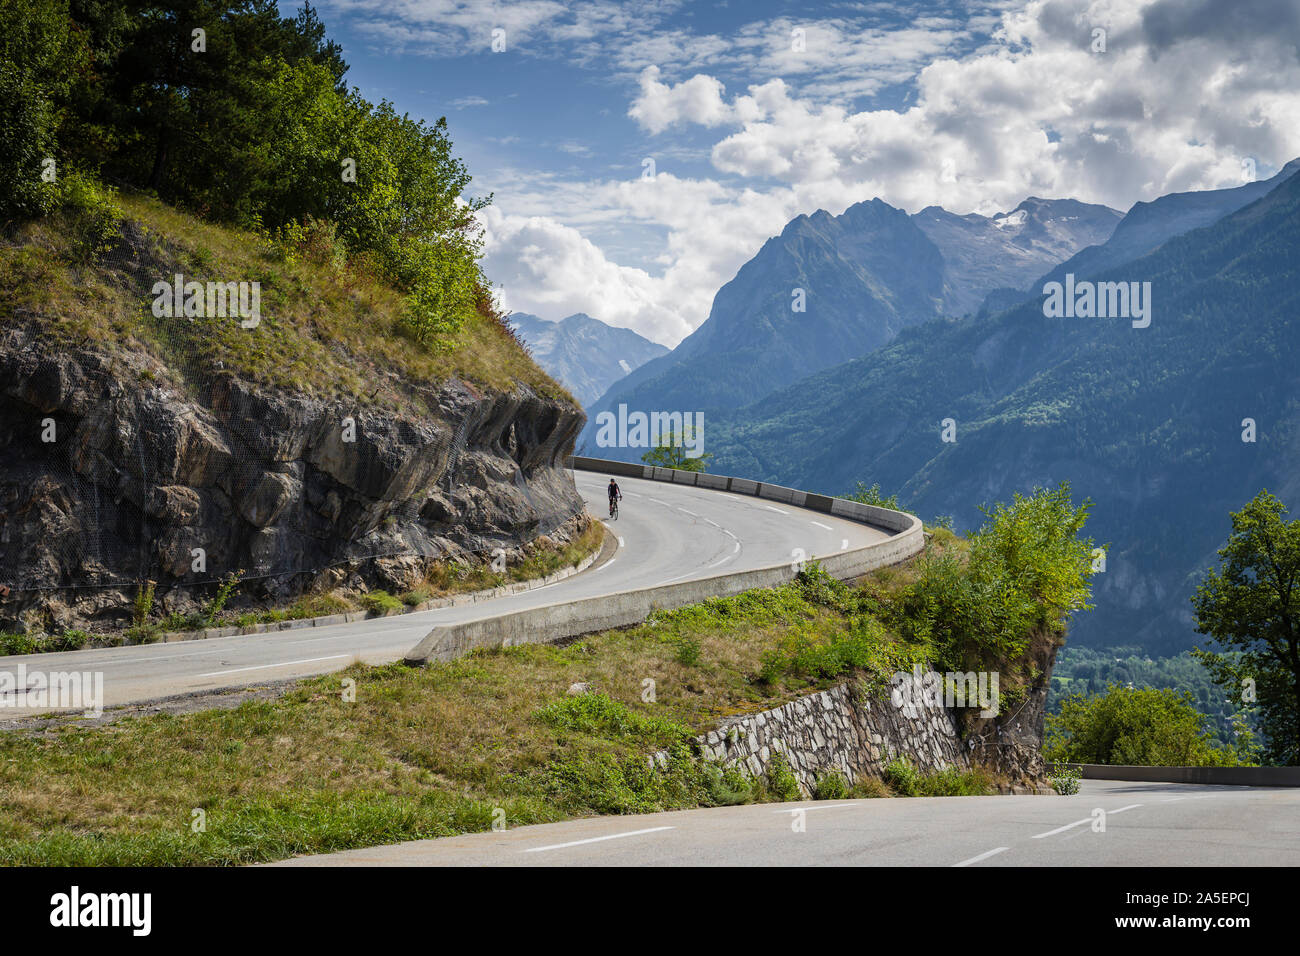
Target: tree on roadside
669,452
1250,606
1137,727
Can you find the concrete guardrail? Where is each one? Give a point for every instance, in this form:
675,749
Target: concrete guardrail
1214,776
571,618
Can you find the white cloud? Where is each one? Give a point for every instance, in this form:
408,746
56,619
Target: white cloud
1003,100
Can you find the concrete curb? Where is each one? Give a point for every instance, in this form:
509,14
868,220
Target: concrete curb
556,622
456,600
1214,776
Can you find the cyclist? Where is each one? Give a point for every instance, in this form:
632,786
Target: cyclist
615,496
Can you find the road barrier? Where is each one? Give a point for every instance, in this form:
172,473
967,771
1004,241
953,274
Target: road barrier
566,619
1215,776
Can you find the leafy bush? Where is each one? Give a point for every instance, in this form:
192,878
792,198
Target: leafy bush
831,785
782,784
688,651
93,209
874,496
1142,727
416,597
1065,780
380,602
728,786
1027,568
902,777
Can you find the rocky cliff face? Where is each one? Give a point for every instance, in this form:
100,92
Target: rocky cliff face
115,470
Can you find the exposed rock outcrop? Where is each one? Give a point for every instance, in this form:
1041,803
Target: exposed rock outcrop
114,470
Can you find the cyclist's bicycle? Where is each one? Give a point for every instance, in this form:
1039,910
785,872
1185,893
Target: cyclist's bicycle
613,509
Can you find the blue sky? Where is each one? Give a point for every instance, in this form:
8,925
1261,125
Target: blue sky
755,112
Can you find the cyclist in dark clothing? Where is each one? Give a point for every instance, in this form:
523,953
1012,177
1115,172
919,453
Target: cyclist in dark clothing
615,496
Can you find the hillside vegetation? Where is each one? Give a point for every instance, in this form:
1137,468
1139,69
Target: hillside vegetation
83,274
1148,423
446,749
354,219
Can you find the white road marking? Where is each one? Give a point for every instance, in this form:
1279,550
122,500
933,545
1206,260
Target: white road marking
712,522
736,550
983,856
844,544
1068,826
605,565
827,806
1071,826
777,510
685,512
262,667
612,836
620,543
826,526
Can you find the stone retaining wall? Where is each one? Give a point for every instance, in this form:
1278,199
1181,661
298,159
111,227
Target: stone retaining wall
837,729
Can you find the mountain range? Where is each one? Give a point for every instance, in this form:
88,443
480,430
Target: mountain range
1149,423
831,288
586,355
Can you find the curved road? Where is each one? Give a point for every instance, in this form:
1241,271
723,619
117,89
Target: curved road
666,533
1145,824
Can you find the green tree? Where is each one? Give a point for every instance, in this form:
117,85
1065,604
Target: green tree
669,452
40,53
1250,605
1136,727
874,496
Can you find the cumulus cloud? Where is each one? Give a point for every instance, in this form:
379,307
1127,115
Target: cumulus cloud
988,103
1171,103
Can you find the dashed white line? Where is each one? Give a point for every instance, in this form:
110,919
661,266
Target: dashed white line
983,856
826,526
1068,826
1071,826
605,565
262,667
820,806
777,510
612,836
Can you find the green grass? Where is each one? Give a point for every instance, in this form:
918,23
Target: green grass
331,333
422,752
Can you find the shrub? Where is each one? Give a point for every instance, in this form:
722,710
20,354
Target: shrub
416,597
782,784
1027,568
728,786
831,785
380,602
902,777
142,607
1065,780
1143,726
688,651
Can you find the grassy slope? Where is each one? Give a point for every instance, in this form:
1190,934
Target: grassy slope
432,752
328,331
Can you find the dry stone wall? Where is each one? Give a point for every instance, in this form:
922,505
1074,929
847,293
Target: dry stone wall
838,729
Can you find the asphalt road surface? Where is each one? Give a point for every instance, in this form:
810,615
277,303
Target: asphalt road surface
1145,824
666,533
